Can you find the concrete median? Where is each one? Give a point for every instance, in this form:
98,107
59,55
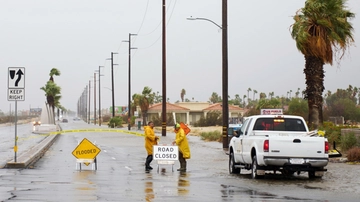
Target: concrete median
36,152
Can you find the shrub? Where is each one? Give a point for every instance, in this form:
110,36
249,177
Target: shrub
211,136
115,122
106,118
353,154
213,118
158,120
348,141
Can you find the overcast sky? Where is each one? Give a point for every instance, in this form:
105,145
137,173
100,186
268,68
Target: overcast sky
78,36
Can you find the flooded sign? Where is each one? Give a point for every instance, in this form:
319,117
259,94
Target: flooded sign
167,153
86,150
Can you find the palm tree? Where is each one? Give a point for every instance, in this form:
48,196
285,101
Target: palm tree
321,29
183,92
215,98
52,91
244,101
248,90
144,100
255,92
54,72
297,93
271,94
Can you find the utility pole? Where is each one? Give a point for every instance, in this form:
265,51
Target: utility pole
85,103
99,97
94,98
112,84
225,107
129,80
163,130
89,101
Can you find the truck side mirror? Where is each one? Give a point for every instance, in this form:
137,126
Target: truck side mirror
238,133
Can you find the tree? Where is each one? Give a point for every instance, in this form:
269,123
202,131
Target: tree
237,100
299,107
255,92
157,97
54,72
244,104
297,93
262,95
215,98
321,29
52,92
248,90
343,103
271,94
144,100
183,92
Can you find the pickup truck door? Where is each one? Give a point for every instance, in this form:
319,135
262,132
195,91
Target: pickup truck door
243,139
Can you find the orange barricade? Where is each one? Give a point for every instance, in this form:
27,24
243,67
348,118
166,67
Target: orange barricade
185,128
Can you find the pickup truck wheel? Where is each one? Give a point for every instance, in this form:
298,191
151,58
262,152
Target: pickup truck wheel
254,169
232,168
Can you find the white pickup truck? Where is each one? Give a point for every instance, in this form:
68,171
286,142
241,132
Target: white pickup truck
277,143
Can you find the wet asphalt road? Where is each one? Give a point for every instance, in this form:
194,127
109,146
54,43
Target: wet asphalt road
121,175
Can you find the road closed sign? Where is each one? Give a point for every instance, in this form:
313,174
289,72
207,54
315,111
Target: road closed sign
166,153
86,150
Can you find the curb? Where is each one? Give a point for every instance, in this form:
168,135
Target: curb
34,154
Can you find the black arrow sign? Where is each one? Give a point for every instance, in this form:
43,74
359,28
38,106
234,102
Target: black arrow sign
19,73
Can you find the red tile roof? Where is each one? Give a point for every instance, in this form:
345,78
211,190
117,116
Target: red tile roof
169,107
218,107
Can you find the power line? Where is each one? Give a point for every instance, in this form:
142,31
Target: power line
172,11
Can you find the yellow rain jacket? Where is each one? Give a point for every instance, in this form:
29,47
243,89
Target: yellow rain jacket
183,144
150,139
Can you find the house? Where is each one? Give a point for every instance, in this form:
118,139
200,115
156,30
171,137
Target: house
191,112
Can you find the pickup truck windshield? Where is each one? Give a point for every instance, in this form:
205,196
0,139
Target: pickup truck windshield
279,124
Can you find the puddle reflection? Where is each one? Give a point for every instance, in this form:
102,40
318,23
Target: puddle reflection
149,188
183,183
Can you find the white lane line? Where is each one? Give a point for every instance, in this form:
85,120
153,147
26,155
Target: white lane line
130,169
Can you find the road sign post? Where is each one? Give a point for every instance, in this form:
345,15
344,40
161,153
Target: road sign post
16,92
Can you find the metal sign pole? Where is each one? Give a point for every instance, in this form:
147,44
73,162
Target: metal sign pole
15,147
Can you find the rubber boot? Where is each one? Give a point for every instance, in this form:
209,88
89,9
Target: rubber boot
149,158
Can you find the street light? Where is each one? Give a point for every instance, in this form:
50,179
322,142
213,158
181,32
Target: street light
192,18
225,106
129,96
112,83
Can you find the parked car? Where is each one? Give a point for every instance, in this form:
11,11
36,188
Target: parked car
64,120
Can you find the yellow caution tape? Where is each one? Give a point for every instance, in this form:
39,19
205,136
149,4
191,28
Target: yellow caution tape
82,130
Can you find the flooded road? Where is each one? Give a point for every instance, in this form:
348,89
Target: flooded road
121,176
